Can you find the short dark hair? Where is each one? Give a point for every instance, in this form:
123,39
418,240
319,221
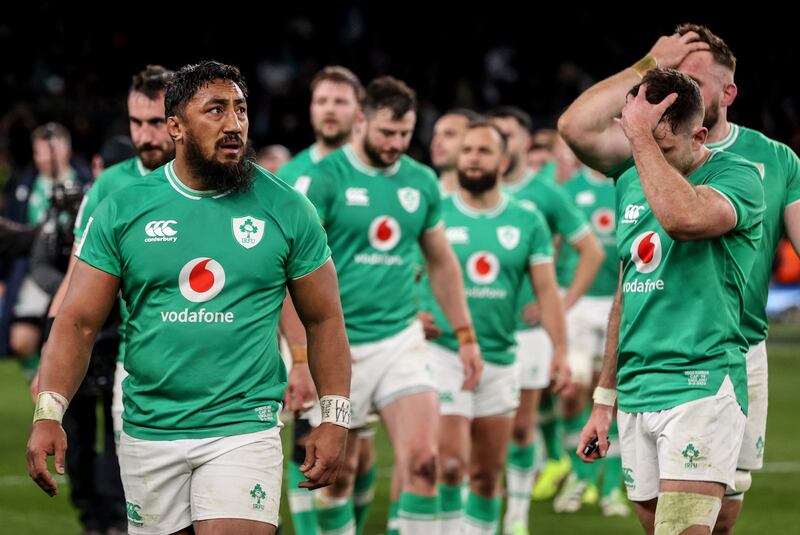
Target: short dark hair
686,108
718,48
151,81
340,75
191,78
469,115
50,131
387,92
485,123
514,112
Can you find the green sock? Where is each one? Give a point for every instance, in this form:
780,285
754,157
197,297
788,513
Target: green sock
417,513
613,474
301,502
363,494
550,424
481,515
572,429
30,365
335,515
519,482
391,526
452,508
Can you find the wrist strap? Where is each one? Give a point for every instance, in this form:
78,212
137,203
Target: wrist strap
645,64
604,396
299,354
466,335
50,406
335,410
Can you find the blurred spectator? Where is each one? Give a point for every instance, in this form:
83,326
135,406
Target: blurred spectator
272,157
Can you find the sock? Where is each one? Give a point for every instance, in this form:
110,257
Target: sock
572,429
418,514
480,516
363,494
550,424
301,502
335,515
519,482
392,527
452,512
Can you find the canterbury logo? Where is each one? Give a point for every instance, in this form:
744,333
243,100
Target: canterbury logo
160,228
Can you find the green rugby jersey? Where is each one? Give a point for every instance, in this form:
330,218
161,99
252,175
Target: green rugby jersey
495,249
594,197
294,172
374,219
780,170
203,275
682,301
116,177
560,213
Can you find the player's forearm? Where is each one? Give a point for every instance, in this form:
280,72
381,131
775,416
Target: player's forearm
595,110
448,288
674,201
590,260
329,356
66,355
608,374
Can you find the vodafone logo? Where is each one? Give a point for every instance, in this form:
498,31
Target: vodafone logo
201,279
646,252
384,233
483,267
603,220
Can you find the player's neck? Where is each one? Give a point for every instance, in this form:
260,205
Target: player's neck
449,181
720,131
702,157
516,175
484,201
323,148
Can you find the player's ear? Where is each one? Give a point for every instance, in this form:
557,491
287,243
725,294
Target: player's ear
175,128
699,136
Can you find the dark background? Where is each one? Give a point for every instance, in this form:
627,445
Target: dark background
56,65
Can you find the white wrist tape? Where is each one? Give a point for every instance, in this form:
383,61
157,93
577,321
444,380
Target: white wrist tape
50,406
335,410
604,396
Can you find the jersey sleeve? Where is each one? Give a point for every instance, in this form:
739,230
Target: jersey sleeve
309,243
568,220
792,165
434,198
541,242
100,247
740,183
320,189
88,205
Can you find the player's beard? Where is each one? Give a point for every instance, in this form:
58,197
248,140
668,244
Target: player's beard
374,155
163,155
513,161
711,117
486,181
336,139
220,176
